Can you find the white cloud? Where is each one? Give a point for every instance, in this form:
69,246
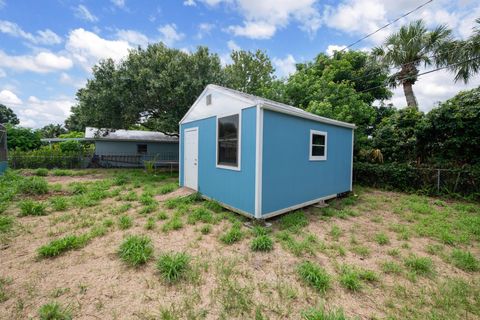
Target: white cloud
332,48
87,48
46,37
118,3
204,29
65,78
9,98
263,18
170,35
3,74
83,13
36,113
42,62
133,37
232,45
286,66
189,3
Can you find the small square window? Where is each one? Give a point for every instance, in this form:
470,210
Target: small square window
209,99
318,145
142,149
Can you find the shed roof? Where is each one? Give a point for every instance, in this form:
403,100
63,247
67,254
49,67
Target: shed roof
127,135
275,106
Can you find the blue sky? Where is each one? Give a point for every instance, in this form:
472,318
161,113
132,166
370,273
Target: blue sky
47,48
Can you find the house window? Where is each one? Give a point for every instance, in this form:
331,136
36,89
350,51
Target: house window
228,141
318,145
142,149
209,99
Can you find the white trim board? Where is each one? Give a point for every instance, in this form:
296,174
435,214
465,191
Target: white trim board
258,162
298,206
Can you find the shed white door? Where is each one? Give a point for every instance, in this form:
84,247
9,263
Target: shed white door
190,158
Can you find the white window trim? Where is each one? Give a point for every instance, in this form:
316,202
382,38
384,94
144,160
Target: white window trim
220,166
317,158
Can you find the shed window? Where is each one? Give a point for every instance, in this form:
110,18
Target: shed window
142,149
227,141
318,145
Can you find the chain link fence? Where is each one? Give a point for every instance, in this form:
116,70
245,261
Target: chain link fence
463,182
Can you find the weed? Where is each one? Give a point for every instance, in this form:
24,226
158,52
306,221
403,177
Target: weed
322,314
335,232
293,221
59,246
150,225
41,172
260,231
136,250
173,266
391,267
53,311
59,203
125,222
206,229
121,209
350,278
62,172
262,243
6,223
434,249
3,292
148,208
130,196
419,265
179,201
32,208
107,223
175,223
382,239
162,215
310,243
200,214
361,251
98,231
33,186
147,200
233,235
167,188
213,205
394,252
314,276
77,188
465,260
120,180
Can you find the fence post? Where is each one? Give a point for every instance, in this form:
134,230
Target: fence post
438,180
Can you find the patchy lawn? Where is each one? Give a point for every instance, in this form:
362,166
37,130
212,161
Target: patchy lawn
109,244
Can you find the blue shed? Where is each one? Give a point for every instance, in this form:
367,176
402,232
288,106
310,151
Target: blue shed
262,158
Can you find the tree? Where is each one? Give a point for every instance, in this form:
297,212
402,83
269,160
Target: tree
154,87
451,133
22,138
250,72
410,47
8,116
52,131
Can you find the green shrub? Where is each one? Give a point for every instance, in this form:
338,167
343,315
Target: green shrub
59,203
322,314
167,188
233,235
465,260
32,208
6,223
59,246
125,222
419,265
314,276
54,311
33,186
173,266
41,172
293,221
262,243
136,250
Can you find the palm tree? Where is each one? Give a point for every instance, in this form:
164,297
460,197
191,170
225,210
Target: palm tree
410,47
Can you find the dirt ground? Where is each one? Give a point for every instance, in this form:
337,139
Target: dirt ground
93,283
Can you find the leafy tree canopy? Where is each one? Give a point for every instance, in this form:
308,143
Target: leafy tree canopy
22,138
52,131
8,116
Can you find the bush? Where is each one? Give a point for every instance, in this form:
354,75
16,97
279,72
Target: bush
262,243
59,246
32,208
41,172
173,266
53,311
314,276
136,250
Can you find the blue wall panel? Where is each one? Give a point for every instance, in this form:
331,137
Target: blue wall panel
234,188
289,177
3,166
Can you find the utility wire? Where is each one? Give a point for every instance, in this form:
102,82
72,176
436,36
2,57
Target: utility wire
387,25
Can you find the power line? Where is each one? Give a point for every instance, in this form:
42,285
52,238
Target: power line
387,25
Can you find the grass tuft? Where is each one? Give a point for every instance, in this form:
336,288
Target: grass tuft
53,311
382,239
262,243
293,221
465,260
41,172
314,276
33,186
322,314
213,205
125,222
206,229
173,266
32,208
136,250
200,214
175,223
233,235
59,203
167,188
419,265
58,246
150,225
6,223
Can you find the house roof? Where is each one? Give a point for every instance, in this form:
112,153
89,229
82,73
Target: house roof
275,106
127,135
